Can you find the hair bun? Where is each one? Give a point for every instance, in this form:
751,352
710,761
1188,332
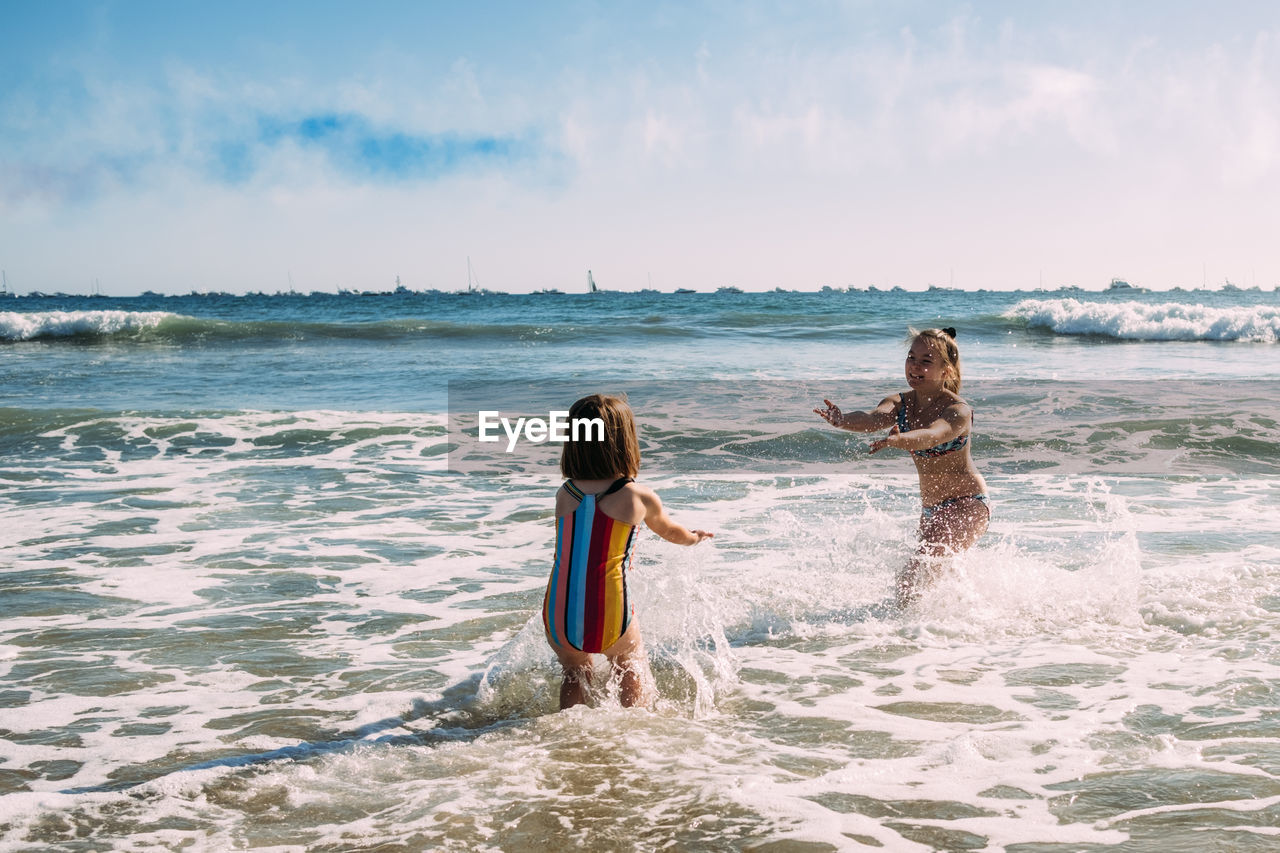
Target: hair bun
951,332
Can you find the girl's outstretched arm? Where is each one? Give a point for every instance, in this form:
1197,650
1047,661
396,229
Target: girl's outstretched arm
655,515
881,417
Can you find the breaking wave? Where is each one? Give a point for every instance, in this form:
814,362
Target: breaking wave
1168,321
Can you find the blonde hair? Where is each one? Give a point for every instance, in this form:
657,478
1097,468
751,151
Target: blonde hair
945,341
618,455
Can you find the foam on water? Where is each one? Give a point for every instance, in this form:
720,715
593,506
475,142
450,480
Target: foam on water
16,326
1170,321
795,707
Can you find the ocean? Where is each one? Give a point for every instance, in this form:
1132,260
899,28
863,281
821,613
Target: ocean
263,587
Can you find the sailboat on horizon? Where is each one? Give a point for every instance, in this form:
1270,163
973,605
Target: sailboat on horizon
591,283
473,285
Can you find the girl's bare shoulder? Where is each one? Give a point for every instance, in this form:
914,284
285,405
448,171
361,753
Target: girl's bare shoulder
641,491
957,407
892,402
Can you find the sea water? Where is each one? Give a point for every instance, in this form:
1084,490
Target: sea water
260,590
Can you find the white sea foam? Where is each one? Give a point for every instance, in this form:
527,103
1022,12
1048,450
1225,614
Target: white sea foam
16,326
302,616
1168,321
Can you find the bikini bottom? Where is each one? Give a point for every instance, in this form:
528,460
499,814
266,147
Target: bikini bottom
927,512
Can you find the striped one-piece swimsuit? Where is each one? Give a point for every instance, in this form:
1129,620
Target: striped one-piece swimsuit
587,605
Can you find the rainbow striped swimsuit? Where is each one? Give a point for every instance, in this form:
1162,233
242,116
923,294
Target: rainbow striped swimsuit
587,605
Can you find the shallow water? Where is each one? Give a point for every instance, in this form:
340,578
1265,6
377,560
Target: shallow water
230,624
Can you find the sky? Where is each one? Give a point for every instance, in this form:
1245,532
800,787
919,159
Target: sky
244,146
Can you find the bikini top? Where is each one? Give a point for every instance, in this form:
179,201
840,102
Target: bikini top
938,449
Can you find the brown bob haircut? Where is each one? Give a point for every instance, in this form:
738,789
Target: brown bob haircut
617,456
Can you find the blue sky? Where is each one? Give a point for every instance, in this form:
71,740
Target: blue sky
174,146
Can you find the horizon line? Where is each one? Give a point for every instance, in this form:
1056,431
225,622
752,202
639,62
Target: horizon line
723,290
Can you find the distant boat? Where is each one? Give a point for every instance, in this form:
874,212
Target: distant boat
400,288
551,291
1124,286
591,283
473,286
685,290
729,289
4,285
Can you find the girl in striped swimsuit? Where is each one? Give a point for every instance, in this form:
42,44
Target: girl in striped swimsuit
587,608
933,424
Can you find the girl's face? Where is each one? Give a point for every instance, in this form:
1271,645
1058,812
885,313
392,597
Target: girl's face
926,366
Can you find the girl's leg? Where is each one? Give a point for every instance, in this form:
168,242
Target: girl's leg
949,529
628,658
576,686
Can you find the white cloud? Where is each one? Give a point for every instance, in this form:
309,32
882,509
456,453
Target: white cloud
663,139
1252,144
929,142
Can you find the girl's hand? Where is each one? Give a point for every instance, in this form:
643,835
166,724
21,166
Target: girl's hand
831,414
702,534
887,441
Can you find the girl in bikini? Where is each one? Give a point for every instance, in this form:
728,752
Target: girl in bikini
587,608
933,424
